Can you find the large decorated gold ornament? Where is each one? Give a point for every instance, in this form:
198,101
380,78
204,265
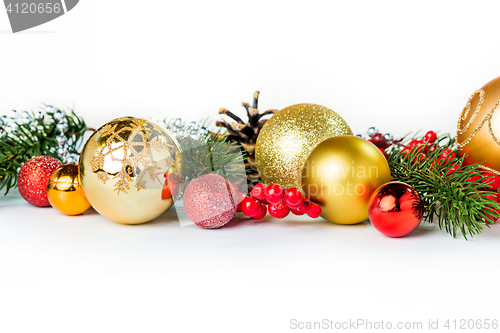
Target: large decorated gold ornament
65,192
340,174
289,136
478,128
128,168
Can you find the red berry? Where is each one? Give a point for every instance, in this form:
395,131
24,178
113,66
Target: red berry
405,151
430,136
473,178
240,198
293,197
451,170
262,212
303,208
259,191
379,140
446,155
250,206
313,210
491,180
412,143
279,210
430,148
494,197
297,211
274,194
419,158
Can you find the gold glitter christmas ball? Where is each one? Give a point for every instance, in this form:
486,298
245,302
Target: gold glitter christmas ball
130,169
340,175
478,128
289,136
65,192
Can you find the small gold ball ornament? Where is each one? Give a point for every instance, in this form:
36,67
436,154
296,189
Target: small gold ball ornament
340,174
289,136
65,192
478,128
124,168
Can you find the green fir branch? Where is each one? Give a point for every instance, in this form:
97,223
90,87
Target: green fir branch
213,154
458,205
26,142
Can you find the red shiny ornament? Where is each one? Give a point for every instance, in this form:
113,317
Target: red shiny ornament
293,198
313,210
395,209
279,210
274,194
210,201
33,178
250,206
259,191
262,212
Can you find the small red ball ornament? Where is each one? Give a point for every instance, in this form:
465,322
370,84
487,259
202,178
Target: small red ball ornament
395,209
210,201
33,178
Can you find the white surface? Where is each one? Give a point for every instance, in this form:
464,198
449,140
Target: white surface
397,65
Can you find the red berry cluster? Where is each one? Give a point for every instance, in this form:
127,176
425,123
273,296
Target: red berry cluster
428,145
281,202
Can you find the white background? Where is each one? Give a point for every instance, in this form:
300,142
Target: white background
397,65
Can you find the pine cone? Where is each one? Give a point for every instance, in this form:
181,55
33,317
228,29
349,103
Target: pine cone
245,134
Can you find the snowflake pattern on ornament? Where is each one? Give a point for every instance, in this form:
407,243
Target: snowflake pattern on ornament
130,142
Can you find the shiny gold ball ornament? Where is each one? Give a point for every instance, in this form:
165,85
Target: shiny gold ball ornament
289,136
478,128
127,169
340,174
65,192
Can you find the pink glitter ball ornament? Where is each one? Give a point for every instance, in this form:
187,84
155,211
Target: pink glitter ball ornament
210,201
33,177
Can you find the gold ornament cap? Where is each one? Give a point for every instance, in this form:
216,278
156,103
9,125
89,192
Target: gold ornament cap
65,191
289,136
340,175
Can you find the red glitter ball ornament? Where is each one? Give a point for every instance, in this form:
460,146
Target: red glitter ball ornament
33,177
210,201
